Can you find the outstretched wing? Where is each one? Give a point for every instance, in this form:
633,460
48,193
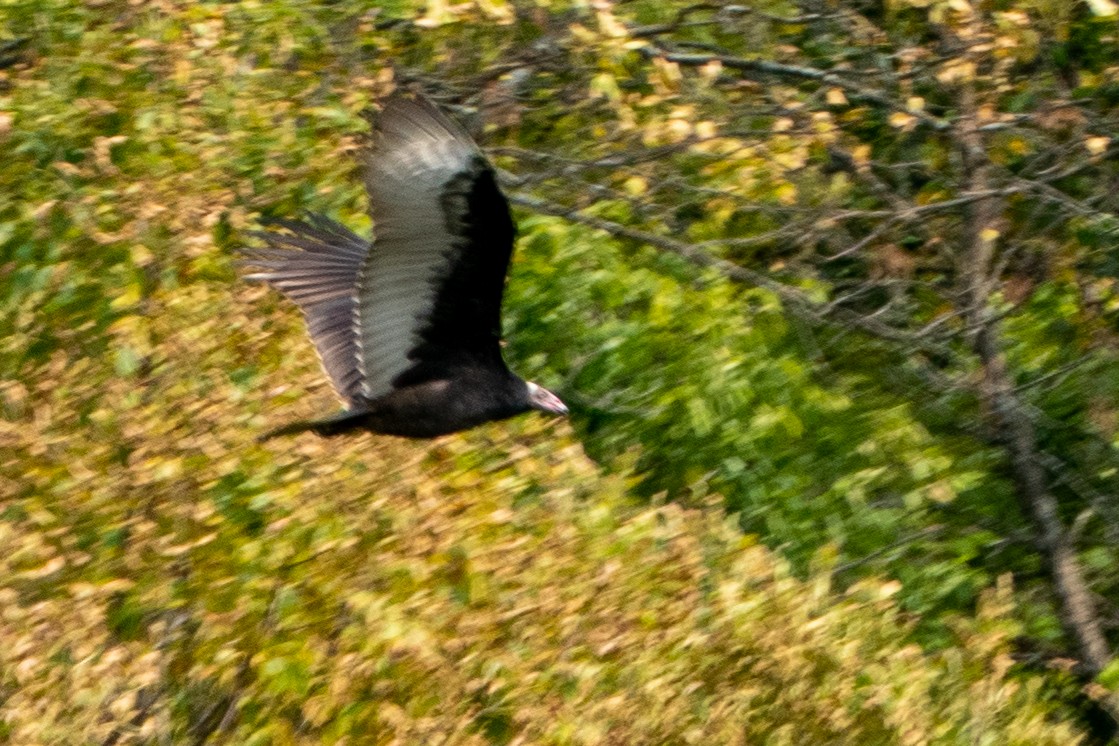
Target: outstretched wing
320,275
429,293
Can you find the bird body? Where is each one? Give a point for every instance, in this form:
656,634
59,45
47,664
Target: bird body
408,327
423,410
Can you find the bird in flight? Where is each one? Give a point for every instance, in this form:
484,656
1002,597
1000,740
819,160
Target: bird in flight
408,326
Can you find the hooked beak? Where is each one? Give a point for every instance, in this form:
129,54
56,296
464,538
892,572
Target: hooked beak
544,400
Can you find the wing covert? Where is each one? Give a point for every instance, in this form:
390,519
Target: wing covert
429,293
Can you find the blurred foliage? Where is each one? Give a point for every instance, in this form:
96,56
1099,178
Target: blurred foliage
168,580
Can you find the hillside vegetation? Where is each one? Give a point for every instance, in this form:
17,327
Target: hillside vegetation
756,527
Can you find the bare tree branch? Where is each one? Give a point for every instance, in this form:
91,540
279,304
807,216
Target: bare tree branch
778,69
798,301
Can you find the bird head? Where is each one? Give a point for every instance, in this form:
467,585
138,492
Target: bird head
544,400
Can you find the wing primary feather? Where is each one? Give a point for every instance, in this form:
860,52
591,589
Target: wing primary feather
316,264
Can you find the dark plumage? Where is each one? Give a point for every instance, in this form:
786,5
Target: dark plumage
408,327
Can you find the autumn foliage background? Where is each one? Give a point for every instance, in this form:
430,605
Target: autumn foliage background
782,511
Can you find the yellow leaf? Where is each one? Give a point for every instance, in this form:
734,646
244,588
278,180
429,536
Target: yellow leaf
835,97
902,120
1097,145
51,566
888,589
129,297
941,492
437,14
67,168
605,85
1103,7
141,255
636,185
678,129
608,23
955,71
498,10
669,72
705,129
989,234
711,70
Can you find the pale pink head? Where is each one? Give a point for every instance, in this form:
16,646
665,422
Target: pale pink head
544,400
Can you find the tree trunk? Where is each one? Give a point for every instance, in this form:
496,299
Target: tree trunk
1007,411
1017,435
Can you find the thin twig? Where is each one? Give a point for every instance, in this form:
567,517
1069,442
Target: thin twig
797,300
767,67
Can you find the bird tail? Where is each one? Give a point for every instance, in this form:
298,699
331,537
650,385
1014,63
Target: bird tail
339,424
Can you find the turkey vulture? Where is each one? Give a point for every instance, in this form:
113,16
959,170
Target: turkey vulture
408,326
